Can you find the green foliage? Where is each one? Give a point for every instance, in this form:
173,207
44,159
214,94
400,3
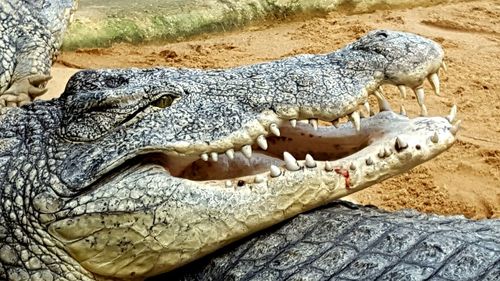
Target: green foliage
171,20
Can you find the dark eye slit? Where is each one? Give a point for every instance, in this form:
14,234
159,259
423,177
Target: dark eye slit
163,100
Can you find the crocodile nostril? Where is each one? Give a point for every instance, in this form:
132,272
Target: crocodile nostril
383,34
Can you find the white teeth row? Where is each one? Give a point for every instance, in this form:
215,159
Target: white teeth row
291,164
383,104
384,152
354,117
246,149
419,93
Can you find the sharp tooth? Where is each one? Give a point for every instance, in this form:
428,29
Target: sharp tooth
310,163
402,91
352,166
382,102
229,183
335,123
275,171
453,114
400,144
435,138
328,166
314,123
214,156
293,122
423,110
259,179
230,153
367,107
369,161
381,90
420,94
247,151
381,153
290,162
355,119
434,80
274,129
388,152
454,129
444,67
402,111
261,141
204,157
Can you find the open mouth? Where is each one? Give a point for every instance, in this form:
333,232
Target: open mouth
321,144
360,138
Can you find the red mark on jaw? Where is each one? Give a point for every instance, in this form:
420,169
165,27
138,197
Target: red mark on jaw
345,174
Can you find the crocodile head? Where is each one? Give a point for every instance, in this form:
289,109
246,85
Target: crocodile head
135,172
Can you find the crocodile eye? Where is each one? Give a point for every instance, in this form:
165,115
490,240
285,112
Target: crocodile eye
163,102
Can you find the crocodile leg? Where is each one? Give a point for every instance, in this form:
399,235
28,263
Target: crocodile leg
23,91
30,34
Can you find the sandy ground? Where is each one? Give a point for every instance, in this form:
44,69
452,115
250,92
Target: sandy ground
464,180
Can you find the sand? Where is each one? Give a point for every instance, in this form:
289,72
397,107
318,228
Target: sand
464,180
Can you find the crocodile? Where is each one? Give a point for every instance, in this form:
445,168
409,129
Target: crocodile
132,173
31,34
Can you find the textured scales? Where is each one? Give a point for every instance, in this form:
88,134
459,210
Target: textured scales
343,241
30,35
132,173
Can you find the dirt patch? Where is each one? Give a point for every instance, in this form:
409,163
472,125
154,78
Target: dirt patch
464,180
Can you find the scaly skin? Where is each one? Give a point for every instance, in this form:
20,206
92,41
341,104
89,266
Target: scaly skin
342,241
31,34
109,181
